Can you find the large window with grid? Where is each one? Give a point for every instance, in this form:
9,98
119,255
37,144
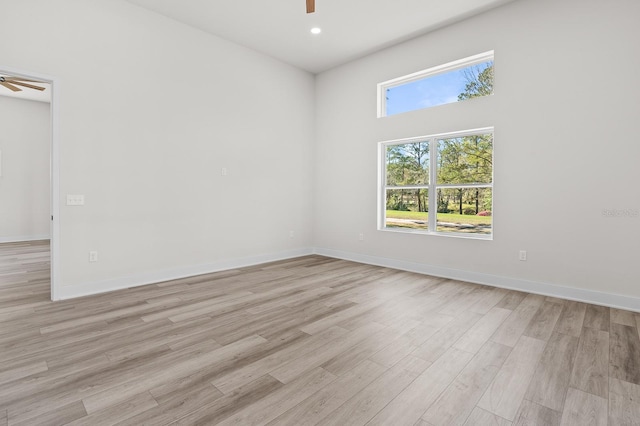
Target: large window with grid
439,184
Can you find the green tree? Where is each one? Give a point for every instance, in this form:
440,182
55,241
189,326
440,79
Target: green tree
479,82
418,153
467,159
407,164
464,160
397,165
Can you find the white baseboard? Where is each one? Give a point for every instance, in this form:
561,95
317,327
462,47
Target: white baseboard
87,289
24,238
563,292
571,293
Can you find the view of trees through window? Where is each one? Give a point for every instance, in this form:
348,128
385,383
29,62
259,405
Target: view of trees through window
465,166
461,187
456,185
472,81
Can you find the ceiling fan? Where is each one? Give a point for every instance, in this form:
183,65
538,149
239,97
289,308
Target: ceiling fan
12,83
311,6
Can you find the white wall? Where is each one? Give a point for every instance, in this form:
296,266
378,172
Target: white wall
24,184
150,112
565,112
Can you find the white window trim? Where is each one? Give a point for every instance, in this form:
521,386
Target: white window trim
433,171
440,69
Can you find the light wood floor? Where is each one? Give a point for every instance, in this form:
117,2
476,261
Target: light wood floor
309,341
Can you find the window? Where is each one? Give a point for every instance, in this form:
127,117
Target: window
440,184
466,78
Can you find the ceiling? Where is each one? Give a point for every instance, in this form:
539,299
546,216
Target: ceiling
350,28
28,94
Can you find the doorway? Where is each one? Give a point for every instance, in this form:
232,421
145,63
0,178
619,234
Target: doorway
52,85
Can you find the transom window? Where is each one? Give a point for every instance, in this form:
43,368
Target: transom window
439,184
455,81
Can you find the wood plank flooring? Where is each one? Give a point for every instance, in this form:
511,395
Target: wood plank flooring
308,341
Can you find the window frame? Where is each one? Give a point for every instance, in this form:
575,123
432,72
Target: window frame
432,186
429,72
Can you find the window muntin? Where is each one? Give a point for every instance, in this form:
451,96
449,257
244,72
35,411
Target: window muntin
466,78
456,184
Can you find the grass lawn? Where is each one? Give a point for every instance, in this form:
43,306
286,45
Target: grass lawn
442,217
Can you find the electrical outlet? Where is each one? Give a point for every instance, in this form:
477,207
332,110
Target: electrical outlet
361,237
75,200
292,234
93,256
523,255
223,171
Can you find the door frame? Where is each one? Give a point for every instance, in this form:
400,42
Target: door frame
54,170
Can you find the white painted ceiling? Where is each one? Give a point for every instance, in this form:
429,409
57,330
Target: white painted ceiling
350,28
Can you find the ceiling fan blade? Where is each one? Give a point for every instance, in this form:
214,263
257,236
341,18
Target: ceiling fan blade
10,86
311,6
11,79
30,86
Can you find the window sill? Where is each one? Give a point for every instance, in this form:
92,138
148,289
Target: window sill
461,235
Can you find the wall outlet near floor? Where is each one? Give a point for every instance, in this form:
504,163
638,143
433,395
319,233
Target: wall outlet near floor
292,234
361,237
522,255
93,256
223,171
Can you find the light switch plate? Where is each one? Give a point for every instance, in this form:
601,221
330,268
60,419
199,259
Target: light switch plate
75,200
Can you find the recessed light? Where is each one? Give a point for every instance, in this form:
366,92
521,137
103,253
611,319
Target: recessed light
316,30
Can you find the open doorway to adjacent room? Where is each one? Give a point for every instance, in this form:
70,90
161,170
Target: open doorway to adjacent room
28,188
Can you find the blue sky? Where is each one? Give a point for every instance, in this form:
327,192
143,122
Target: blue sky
431,91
